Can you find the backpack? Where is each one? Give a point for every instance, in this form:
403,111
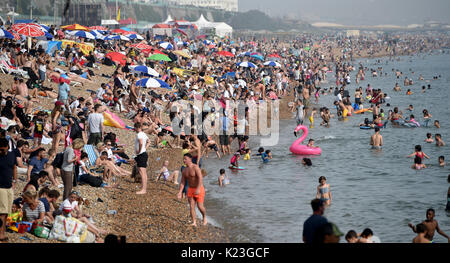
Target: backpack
58,161
76,131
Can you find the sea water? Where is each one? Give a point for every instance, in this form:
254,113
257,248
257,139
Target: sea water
370,189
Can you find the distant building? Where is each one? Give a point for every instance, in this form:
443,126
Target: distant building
227,5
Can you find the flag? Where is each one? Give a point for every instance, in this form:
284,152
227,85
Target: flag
118,15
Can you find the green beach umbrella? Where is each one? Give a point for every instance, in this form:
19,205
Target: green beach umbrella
307,48
159,57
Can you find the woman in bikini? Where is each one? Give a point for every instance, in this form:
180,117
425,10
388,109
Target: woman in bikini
323,191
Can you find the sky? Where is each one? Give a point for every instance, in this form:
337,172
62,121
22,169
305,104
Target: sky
355,12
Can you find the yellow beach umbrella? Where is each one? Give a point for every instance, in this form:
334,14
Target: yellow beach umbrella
75,27
182,53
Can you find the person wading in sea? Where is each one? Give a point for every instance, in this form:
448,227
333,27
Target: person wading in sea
377,139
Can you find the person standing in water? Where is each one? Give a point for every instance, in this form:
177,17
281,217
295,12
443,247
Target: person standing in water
448,196
196,191
376,140
323,191
431,226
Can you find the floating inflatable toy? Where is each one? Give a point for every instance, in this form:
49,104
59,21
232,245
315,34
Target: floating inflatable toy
299,149
110,119
362,111
236,167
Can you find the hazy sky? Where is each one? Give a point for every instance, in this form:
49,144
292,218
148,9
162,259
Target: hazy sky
355,12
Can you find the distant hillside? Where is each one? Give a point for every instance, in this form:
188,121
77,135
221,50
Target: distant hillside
255,20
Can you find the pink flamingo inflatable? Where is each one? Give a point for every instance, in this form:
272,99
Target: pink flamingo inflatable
300,149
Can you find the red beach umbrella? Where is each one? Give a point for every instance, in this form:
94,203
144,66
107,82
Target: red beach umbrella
29,30
117,57
225,54
141,46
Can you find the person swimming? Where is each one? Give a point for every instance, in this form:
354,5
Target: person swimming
429,138
418,165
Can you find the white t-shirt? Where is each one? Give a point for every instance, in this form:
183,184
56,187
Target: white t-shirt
144,137
95,119
82,164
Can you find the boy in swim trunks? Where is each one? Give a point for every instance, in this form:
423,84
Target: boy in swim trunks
439,141
196,190
376,140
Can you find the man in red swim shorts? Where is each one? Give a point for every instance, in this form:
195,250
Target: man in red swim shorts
196,191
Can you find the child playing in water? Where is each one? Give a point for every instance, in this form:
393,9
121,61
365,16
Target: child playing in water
234,160
223,178
266,156
306,162
311,144
418,152
260,151
437,124
418,165
439,141
429,138
311,117
166,174
323,191
441,161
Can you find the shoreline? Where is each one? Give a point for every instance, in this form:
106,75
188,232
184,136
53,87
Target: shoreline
168,218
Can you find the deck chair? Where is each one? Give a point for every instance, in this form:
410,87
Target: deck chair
8,69
92,156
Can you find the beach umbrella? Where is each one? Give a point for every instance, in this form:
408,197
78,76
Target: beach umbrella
145,70
46,28
273,55
182,53
97,34
159,57
152,51
83,34
117,37
182,43
206,42
117,57
257,57
126,29
75,27
46,36
152,83
121,31
246,64
229,75
272,64
307,48
225,54
166,45
134,36
242,54
101,28
29,30
141,46
16,36
6,34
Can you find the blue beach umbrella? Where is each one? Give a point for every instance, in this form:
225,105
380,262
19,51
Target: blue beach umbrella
6,34
257,57
166,45
46,28
145,70
117,37
81,33
242,54
246,64
97,34
152,83
134,36
272,64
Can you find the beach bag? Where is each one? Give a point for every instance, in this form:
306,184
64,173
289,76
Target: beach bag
68,229
40,230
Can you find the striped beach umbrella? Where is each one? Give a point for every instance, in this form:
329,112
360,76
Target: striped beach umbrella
83,34
135,36
141,46
152,83
166,45
116,37
29,30
272,64
6,34
145,70
246,64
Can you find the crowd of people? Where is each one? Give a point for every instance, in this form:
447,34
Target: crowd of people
55,148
